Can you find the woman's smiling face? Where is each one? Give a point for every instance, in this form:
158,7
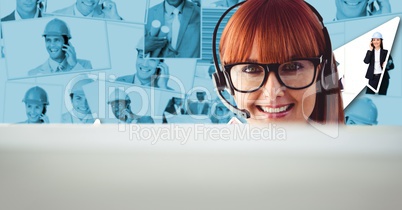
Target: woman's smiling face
273,102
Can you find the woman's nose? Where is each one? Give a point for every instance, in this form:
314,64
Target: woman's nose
272,87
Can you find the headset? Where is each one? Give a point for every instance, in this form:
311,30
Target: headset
329,82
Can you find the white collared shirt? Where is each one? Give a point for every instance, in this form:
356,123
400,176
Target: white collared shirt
377,62
178,109
169,15
54,64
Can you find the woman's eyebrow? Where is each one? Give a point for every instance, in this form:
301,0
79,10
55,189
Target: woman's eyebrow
251,60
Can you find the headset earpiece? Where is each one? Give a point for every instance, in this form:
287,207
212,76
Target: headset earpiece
329,78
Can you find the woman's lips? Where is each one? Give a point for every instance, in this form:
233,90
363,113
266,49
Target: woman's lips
275,111
351,3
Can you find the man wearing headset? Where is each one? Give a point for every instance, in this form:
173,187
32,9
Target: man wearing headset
92,8
62,55
25,9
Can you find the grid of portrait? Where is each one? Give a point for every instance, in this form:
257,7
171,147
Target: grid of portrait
75,61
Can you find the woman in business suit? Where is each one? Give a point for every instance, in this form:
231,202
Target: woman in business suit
375,57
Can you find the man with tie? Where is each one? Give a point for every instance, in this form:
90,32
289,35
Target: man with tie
62,55
182,17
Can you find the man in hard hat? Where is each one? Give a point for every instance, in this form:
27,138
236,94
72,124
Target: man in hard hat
361,111
149,72
346,9
25,9
81,113
62,55
183,40
120,104
36,102
92,8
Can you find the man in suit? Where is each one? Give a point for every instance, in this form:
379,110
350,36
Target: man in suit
120,103
62,55
182,17
149,72
91,8
199,107
25,9
174,107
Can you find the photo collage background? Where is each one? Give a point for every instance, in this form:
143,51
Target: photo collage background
122,75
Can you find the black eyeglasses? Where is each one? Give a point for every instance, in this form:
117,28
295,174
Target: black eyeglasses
247,77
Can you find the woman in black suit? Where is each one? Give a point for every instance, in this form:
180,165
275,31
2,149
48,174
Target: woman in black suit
375,57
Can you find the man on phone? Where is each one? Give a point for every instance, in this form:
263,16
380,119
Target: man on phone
150,72
62,55
25,9
120,104
36,102
92,8
351,8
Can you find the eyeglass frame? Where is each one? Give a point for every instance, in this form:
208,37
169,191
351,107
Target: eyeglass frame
315,60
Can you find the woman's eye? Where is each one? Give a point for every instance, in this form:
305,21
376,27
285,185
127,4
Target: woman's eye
252,69
292,66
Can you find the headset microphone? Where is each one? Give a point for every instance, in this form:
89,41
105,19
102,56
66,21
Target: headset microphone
219,78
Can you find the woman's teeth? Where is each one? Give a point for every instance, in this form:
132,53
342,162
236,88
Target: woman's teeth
275,110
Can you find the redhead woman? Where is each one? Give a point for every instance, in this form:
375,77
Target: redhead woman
276,61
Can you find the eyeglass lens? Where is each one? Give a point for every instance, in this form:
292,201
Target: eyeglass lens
294,74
